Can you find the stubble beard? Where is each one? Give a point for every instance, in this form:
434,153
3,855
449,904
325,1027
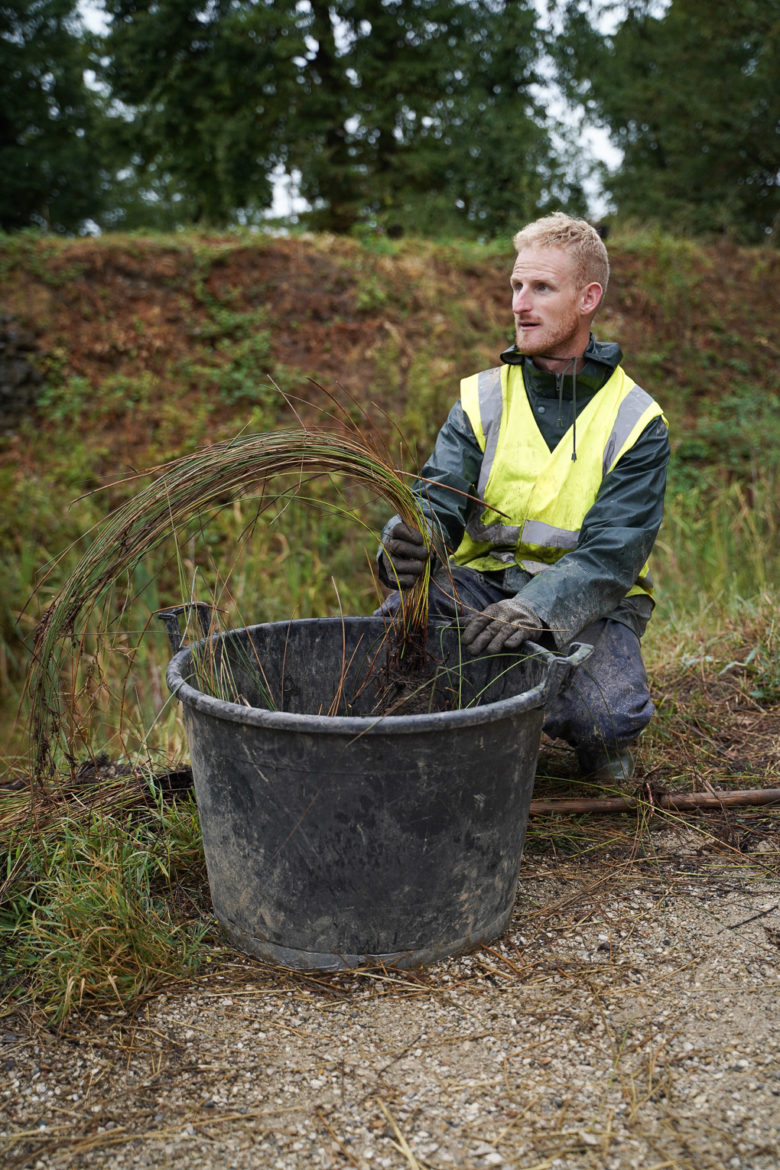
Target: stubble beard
556,340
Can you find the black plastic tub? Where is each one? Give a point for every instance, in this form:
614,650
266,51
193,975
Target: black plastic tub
341,840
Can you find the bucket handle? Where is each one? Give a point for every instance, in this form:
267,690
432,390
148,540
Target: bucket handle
559,667
170,619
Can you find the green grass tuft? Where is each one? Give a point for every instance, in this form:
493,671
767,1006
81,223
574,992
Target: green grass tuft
98,908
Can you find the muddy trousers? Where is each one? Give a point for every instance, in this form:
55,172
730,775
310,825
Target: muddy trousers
606,702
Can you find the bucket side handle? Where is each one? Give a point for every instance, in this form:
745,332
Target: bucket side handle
559,667
170,619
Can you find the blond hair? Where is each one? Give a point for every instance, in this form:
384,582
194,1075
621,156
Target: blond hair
577,237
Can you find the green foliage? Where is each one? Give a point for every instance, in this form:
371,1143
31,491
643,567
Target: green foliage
60,400
97,909
734,434
721,507
32,252
209,89
417,117
673,270
51,171
726,533
763,663
691,100
420,117
239,362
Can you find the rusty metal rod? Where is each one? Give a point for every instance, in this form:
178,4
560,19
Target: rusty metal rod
677,802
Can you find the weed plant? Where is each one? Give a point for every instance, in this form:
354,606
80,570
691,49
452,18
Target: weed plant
95,909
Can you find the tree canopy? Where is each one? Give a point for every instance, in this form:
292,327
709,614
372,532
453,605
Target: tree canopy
424,116
206,90
690,96
50,120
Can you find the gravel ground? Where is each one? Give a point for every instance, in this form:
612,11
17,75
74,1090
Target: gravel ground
628,1018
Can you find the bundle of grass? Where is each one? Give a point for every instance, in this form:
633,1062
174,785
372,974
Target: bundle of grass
189,490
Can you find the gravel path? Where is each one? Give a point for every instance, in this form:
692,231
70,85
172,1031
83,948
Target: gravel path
628,1018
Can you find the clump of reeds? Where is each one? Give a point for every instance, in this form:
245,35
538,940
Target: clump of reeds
192,488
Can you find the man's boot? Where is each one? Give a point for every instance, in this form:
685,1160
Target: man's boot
606,766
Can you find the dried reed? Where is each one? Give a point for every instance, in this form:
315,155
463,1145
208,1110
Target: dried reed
187,489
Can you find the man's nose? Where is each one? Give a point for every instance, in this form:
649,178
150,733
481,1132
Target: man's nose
519,300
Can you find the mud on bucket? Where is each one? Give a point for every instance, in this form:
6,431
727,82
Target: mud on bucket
337,835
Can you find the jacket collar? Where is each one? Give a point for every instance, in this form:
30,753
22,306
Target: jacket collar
601,360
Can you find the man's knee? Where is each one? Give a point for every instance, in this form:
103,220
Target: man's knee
607,700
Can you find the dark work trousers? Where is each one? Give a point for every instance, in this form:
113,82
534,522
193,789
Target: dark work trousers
606,702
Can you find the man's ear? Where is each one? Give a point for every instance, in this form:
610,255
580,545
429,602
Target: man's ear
591,297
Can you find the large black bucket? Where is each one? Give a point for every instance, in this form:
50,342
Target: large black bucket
338,840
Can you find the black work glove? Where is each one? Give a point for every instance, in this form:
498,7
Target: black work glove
504,625
404,556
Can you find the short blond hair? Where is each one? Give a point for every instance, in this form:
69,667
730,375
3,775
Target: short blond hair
577,236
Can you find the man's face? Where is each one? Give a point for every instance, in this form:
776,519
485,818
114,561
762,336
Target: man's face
552,311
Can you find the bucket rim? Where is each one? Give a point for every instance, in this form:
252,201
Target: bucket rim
358,725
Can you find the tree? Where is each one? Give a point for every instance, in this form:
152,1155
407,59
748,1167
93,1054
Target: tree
51,174
690,96
420,113
208,89
496,162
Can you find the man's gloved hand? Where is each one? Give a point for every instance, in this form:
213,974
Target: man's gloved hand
405,556
504,625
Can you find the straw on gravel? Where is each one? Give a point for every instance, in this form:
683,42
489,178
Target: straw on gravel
187,488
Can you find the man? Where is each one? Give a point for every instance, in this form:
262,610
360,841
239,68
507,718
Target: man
544,495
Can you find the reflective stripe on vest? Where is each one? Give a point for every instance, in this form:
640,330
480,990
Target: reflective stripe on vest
633,406
490,406
517,524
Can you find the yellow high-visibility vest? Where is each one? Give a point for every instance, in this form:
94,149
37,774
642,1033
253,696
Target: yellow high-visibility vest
535,500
